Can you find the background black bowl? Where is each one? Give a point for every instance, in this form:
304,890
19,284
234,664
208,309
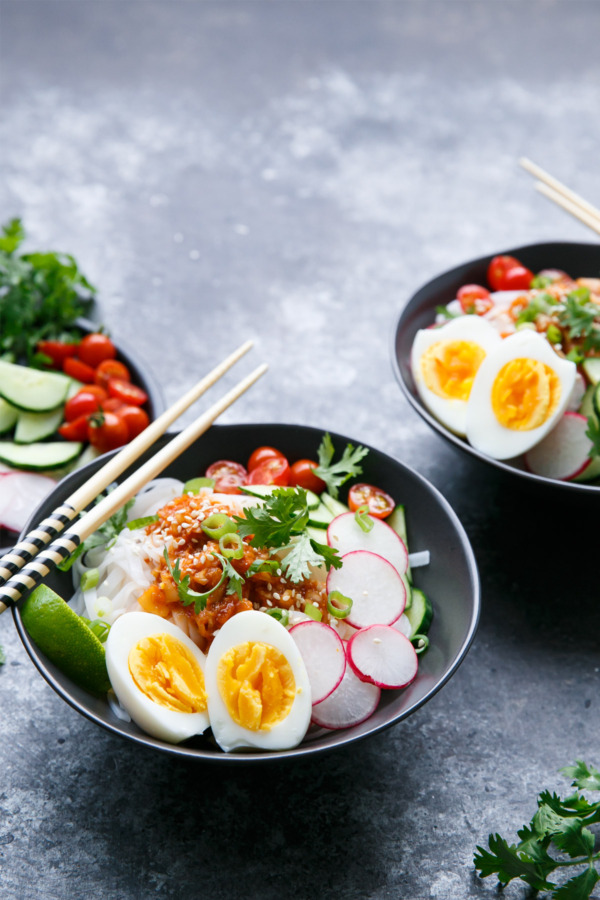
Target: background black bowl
451,581
578,260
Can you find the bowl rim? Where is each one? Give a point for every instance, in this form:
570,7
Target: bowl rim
336,739
409,391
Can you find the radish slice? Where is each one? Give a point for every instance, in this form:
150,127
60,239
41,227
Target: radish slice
351,703
20,494
377,591
322,650
383,656
345,534
563,453
403,625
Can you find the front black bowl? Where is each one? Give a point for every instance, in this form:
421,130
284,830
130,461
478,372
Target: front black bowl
451,581
577,259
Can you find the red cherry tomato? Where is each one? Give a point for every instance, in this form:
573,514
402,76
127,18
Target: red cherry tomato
95,348
261,454
79,370
111,368
380,504
275,470
77,430
126,392
83,403
57,351
302,474
474,299
106,431
497,268
518,278
111,404
135,418
96,390
229,476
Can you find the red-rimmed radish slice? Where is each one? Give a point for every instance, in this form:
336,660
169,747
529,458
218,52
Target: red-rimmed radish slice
377,590
20,493
563,453
324,656
382,655
352,702
345,534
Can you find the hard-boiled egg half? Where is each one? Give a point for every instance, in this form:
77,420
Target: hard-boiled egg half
521,390
444,363
157,673
258,689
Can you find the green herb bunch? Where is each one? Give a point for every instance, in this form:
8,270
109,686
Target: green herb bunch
559,825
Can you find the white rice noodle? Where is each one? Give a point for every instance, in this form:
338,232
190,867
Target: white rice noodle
153,496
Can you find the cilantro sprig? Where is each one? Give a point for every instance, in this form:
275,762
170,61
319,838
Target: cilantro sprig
336,474
580,316
559,825
106,533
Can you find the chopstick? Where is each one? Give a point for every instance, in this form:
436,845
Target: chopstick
40,536
563,196
90,521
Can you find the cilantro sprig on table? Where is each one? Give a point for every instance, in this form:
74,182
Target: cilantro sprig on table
41,296
336,474
559,825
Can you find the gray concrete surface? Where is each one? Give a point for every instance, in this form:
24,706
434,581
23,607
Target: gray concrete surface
293,171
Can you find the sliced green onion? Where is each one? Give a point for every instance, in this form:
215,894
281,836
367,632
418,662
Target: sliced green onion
363,519
194,484
338,604
553,334
420,642
231,545
218,524
282,615
313,612
98,627
141,523
90,579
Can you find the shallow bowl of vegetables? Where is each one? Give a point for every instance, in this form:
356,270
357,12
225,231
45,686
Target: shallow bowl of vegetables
501,357
283,592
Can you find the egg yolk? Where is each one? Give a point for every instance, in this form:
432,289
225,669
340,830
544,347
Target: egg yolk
168,673
257,685
525,393
449,367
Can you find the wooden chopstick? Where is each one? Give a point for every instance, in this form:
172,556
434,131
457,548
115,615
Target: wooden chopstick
47,530
67,543
563,196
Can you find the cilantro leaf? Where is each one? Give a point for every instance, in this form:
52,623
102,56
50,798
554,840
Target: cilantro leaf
580,887
282,515
583,776
593,432
2,655
186,595
235,579
336,474
578,314
508,863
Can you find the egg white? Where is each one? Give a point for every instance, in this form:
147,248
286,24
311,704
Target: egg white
484,431
165,724
253,626
450,411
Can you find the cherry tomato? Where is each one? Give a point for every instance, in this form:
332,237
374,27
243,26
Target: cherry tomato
111,368
274,470
57,351
79,370
77,430
96,390
518,278
261,454
111,404
302,474
135,418
126,392
228,476
497,268
83,403
106,431
95,348
474,299
380,504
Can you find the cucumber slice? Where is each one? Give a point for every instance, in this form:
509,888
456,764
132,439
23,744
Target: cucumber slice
397,521
32,427
74,388
596,400
335,507
8,416
39,457
420,612
587,404
320,517
591,367
31,389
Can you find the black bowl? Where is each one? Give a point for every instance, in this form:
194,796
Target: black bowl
576,259
451,581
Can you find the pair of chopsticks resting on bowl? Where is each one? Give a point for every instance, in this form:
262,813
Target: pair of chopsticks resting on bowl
563,196
27,564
